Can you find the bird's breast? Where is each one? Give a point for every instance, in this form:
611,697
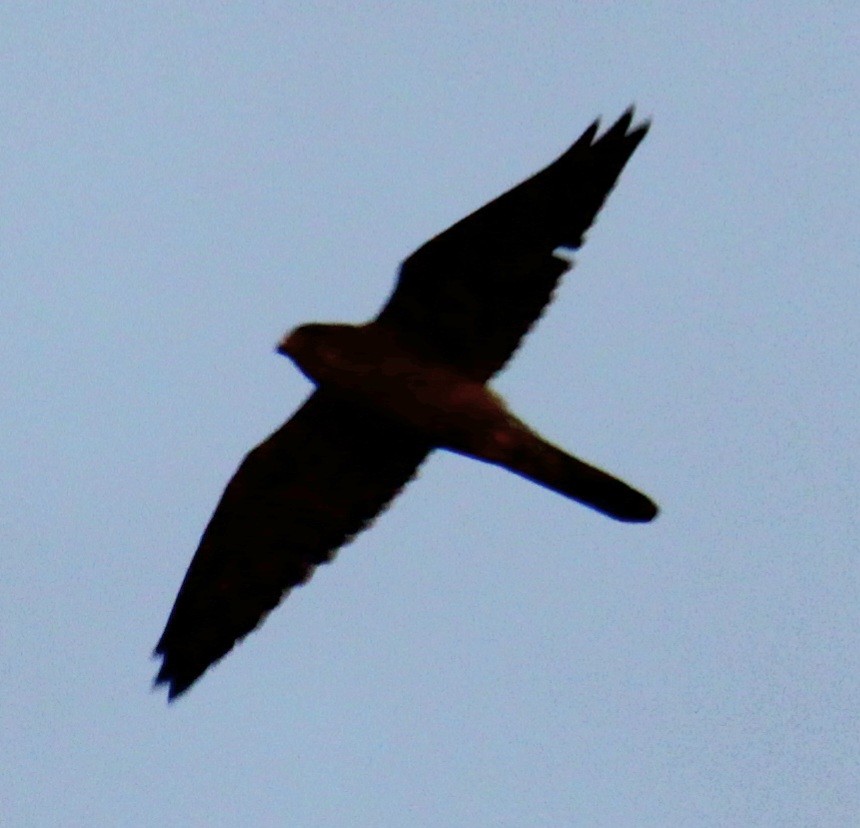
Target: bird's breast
428,397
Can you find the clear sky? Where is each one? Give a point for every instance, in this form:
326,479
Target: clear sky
181,183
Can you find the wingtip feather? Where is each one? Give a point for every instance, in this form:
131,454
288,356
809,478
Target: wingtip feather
621,129
175,686
587,137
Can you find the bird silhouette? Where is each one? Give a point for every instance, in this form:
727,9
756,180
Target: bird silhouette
389,392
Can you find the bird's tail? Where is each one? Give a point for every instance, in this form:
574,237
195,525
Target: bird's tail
527,454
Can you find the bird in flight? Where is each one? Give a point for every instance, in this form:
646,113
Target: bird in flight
392,390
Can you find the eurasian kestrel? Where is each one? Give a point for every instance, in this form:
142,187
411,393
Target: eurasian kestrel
389,392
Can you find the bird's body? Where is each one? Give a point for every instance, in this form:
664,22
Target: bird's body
391,391
368,366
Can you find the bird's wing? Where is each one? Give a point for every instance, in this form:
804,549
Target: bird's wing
295,499
469,295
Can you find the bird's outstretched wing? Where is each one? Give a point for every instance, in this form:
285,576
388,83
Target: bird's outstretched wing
295,499
469,295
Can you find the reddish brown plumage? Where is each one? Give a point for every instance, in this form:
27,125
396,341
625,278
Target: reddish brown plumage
391,391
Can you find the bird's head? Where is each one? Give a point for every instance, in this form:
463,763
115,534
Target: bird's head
318,349
306,343
296,342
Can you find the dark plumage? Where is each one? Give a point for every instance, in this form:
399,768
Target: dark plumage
389,392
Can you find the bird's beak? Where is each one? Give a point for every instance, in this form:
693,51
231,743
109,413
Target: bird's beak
286,346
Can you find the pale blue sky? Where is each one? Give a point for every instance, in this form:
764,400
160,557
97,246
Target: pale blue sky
181,183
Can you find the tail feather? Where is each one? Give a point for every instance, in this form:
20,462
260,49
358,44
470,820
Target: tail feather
525,453
555,469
